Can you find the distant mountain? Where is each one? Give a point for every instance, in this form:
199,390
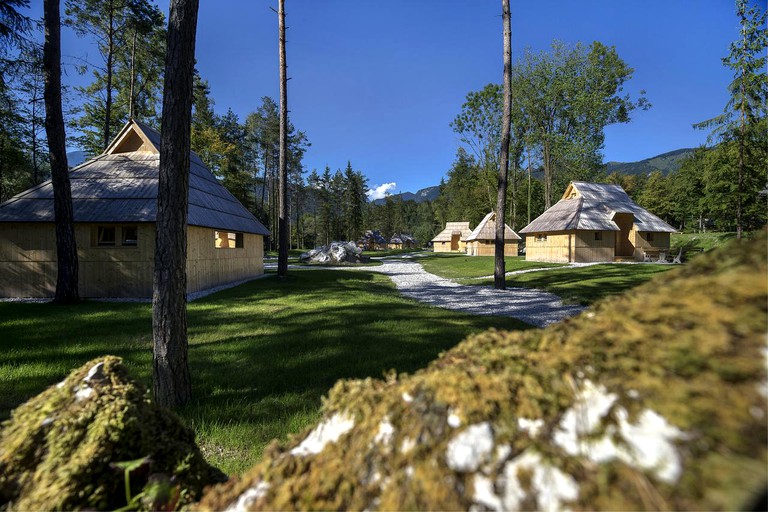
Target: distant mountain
425,194
665,162
75,158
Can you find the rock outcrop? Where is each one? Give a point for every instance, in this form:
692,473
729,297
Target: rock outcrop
655,399
335,253
68,448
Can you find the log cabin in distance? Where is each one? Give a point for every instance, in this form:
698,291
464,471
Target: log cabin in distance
114,198
482,240
595,222
452,238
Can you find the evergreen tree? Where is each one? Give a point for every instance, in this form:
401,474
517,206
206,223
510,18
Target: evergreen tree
743,120
128,35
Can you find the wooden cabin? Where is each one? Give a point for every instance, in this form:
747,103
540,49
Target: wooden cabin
595,222
114,199
372,240
401,241
452,238
482,240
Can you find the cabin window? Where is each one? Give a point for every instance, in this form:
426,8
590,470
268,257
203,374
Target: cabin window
228,240
649,237
598,235
130,236
541,238
105,236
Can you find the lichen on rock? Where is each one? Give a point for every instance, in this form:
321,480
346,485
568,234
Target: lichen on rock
649,400
61,450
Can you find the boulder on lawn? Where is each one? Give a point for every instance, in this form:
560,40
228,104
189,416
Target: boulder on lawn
655,399
69,447
334,253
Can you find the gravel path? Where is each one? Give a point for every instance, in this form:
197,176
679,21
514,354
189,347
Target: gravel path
535,307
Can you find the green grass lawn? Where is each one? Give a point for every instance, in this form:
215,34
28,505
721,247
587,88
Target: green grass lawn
458,266
261,354
585,285
700,241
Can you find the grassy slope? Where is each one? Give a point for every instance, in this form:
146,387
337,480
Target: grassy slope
457,266
261,355
701,241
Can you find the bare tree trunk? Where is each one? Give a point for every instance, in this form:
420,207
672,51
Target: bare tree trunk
529,187
282,224
171,380
506,119
133,76
66,244
546,153
110,60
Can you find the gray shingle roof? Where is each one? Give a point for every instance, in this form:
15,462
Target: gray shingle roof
486,230
453,228
593,209
122,187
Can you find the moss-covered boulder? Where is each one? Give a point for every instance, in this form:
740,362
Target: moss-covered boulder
652,400
66,448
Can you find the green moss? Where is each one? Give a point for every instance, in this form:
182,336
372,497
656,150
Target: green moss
689,345
59,449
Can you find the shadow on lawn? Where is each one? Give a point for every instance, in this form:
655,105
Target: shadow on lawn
261,354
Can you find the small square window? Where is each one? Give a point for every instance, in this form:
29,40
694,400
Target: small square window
598,235
228,240
105,236
541,238
130,236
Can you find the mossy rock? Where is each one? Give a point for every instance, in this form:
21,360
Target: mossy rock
654,399
61,450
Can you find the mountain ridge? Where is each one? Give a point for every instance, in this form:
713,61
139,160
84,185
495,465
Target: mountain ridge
667,162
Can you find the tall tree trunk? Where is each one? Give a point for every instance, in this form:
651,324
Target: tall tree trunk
110,61
546,153
131,94
66,245
506,119
282,223
529,187
171,380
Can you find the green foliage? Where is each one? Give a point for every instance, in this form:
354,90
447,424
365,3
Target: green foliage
130,37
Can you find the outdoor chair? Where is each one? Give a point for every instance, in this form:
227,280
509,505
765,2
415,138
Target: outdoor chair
646,257
662,258
679,258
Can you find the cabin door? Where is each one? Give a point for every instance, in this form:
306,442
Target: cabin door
624,245
455,242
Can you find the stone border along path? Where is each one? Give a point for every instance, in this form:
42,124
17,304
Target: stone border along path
535,307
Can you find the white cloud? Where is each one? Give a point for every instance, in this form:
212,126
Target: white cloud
380,191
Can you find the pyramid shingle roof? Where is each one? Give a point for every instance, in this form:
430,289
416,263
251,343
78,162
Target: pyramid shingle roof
121,186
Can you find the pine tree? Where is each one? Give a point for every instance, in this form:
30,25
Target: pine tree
743,120
171,379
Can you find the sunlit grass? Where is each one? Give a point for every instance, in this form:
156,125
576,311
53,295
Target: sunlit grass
261,354
585,285
459,266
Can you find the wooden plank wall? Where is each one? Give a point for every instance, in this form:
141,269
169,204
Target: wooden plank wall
28,261
555,249
488,248
589,250
446,247
208,266
660,242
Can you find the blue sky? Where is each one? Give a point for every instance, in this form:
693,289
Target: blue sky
378,82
